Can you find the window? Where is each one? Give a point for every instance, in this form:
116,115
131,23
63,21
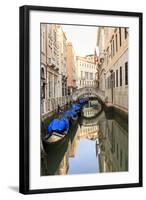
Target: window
116,43
42,73
113,48
107,55
42,41
126,73
120,38
81,74
113,79
55,86
86,75
91,76
125,31
120,76
116,78
108,82
50,86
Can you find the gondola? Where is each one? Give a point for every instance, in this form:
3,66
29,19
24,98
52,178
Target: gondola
71,115
56,144
56,136
77,108
83,101
57,131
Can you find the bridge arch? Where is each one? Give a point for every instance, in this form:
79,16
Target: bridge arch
89,92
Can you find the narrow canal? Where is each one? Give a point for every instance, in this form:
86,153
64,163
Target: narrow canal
95,144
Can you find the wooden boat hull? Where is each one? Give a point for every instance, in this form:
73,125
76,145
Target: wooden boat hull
73,120
55,137
58,142
79,113
53,141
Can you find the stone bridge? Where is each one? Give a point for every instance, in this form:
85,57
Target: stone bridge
89,92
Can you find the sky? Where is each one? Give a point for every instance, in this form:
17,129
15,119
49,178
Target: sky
83,38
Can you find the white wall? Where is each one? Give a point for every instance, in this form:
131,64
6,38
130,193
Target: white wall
9,101
120,93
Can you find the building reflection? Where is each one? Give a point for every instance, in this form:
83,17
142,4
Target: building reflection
88,131
113,143
64,165
73,147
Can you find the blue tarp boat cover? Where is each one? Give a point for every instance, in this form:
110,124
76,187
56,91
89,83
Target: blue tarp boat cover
83,101
70,113
58,125
76,107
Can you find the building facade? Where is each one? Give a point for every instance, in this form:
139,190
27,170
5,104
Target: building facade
71,73
62,53
86,70
113,64
53,68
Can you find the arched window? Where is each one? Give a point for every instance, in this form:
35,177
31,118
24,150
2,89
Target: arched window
43,83
42,73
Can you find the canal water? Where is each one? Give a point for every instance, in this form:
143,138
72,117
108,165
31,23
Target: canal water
95,144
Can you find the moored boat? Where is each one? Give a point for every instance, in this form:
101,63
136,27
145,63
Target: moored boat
77,108
57,130
83,101
55,137
71,115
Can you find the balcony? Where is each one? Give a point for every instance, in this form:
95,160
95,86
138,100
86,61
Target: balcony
57,68
51,63
101,58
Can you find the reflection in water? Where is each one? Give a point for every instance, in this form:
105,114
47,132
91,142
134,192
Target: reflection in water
113,141
97,145
91,109
85,160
